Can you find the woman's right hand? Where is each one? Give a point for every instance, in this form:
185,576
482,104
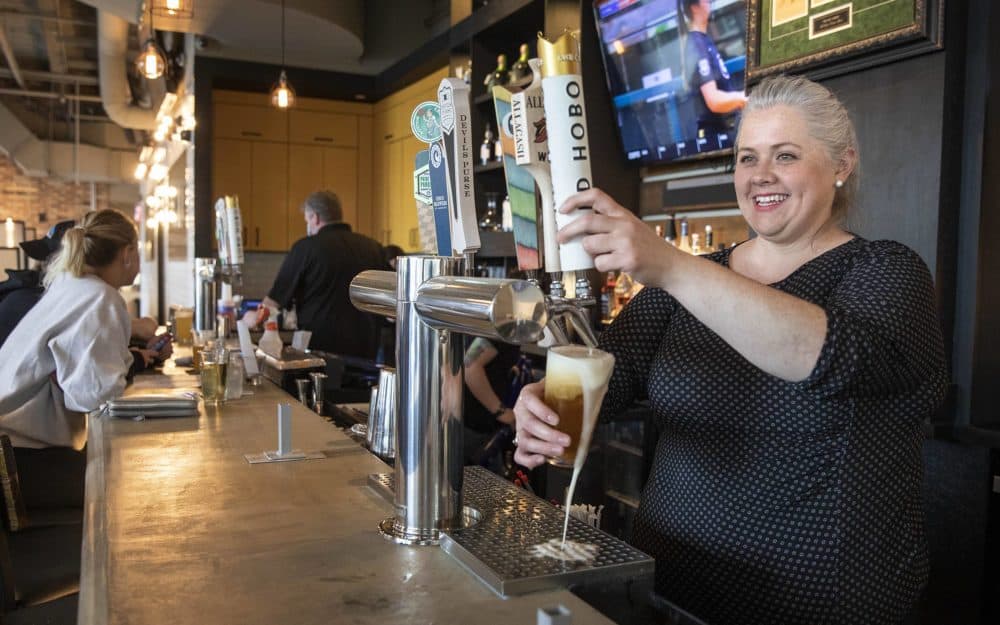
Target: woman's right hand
536,436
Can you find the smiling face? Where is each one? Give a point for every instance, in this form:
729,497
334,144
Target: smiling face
784,177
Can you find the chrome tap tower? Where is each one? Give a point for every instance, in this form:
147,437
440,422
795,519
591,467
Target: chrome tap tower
433,306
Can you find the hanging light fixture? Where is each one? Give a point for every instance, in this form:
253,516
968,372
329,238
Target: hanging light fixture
282,94
150,61
181,9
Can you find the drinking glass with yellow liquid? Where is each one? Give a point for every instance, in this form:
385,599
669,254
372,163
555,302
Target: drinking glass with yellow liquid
183,324
576,379
213,373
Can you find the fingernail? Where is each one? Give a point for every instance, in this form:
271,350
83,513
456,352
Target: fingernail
552,419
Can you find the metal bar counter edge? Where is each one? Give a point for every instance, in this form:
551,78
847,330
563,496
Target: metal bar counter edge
180,528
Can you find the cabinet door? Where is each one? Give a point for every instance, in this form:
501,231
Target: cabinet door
340,175
407,234
270,197
234,121
305,176
393,176
323,128
231,163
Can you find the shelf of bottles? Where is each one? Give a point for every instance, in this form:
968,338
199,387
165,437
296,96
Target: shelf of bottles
695,232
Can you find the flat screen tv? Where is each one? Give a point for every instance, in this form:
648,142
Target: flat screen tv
660,74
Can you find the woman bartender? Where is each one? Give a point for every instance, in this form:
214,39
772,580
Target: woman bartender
789,377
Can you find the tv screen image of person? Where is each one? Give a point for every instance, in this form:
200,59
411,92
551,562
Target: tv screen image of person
675,71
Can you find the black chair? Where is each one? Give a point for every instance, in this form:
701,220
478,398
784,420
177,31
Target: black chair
39,554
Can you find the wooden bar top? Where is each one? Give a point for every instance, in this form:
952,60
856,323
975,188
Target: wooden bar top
179,528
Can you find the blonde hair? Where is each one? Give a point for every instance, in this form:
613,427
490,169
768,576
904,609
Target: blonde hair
92,244
826,120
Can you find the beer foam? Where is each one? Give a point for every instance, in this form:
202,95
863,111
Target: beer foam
592,368
567,551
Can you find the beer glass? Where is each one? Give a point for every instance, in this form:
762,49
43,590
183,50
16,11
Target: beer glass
213,373
576,379
183,320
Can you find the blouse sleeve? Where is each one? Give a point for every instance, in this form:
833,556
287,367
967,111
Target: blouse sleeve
92,357
883,335
633,339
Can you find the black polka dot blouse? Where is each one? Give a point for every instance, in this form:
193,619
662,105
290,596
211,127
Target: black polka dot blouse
775,502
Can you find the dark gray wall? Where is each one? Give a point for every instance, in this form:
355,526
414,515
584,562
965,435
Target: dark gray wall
898,112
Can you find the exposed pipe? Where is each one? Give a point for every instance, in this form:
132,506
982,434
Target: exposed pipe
8,53
112,46
45,18
48,95
66,79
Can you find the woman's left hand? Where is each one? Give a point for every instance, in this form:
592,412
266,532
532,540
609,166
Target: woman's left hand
616,239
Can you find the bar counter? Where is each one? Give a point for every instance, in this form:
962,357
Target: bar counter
179,528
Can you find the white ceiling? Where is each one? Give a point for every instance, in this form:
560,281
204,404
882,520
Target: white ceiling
354,36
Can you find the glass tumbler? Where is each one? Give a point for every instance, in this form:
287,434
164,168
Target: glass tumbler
213,373
235,373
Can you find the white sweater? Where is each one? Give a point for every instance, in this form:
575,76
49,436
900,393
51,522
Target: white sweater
65,358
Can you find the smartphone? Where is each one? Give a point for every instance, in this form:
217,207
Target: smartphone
161,342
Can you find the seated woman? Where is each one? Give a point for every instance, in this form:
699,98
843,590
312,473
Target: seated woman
70,353
788,376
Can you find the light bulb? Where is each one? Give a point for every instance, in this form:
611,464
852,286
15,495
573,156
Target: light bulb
140,171
150,61
173,6
282,94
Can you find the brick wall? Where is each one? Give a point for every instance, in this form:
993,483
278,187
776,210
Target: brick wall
32,199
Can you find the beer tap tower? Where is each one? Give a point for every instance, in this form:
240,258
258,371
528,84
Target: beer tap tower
433,302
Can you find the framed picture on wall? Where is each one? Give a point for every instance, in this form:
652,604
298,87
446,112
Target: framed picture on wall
823,38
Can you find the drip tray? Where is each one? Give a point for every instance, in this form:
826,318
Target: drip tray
500,548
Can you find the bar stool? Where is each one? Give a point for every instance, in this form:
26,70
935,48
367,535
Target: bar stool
39,553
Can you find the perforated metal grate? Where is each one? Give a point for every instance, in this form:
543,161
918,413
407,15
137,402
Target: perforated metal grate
499,549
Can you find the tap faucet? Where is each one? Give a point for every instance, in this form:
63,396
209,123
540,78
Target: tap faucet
565,312
433,304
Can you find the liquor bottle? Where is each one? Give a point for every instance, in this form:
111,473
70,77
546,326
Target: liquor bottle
671,235
709,240
498,148
623,293
520,72
659,231
499,76
486,149
506,215
607,296
684,244
696,244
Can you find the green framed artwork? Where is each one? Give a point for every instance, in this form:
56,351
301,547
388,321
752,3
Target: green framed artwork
823,38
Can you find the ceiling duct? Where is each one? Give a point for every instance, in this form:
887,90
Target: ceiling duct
112,48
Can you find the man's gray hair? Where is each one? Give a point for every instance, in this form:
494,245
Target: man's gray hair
325,205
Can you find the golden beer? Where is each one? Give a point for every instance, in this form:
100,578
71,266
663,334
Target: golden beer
567,402
576,379
213,381
183,319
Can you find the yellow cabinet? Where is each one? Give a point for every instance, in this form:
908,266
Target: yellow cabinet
237,121
231,160
269,197
323,128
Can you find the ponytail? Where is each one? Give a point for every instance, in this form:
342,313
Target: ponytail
93,244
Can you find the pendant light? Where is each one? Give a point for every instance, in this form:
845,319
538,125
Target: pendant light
282,94
150,61
181,9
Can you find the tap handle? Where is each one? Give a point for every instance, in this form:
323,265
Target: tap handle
456,131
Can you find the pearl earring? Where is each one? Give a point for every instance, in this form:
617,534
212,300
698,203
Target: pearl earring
839,184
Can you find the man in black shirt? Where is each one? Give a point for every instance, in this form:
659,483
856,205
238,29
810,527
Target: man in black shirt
24,288
317,274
